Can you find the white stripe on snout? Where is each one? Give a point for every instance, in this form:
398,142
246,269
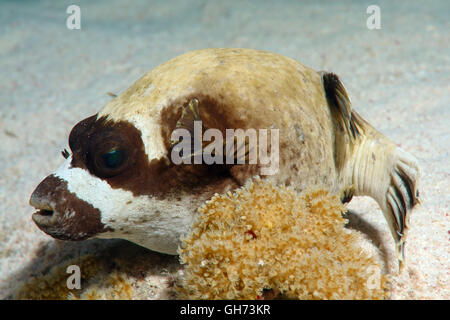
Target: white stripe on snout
90,189
155,224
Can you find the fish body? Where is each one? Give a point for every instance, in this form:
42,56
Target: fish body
120,179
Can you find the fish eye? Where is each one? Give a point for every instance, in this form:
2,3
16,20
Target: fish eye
113,158
111,162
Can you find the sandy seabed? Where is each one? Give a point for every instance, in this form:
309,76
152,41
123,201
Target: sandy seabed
52,77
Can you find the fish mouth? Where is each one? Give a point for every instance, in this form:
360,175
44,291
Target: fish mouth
45,215
61,214
45,212
47,220
44,218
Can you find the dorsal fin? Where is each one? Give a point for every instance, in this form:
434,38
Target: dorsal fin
338,98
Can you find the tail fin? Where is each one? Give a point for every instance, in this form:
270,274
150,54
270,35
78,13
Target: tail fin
401,195
378,168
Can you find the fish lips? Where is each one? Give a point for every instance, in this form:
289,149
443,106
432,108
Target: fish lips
61,214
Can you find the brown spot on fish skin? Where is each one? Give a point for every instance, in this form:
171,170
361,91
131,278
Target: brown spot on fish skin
70,218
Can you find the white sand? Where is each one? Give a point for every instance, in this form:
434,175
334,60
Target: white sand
51,77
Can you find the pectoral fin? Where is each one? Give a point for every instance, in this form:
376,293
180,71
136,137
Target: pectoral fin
189,115
190,120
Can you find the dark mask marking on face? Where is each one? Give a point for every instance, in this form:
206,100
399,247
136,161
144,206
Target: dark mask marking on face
66,217
92,139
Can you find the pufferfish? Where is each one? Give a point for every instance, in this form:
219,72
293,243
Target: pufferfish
120,180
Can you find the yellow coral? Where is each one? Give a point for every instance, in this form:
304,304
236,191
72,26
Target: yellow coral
267,237
53,285
97,283
114,286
